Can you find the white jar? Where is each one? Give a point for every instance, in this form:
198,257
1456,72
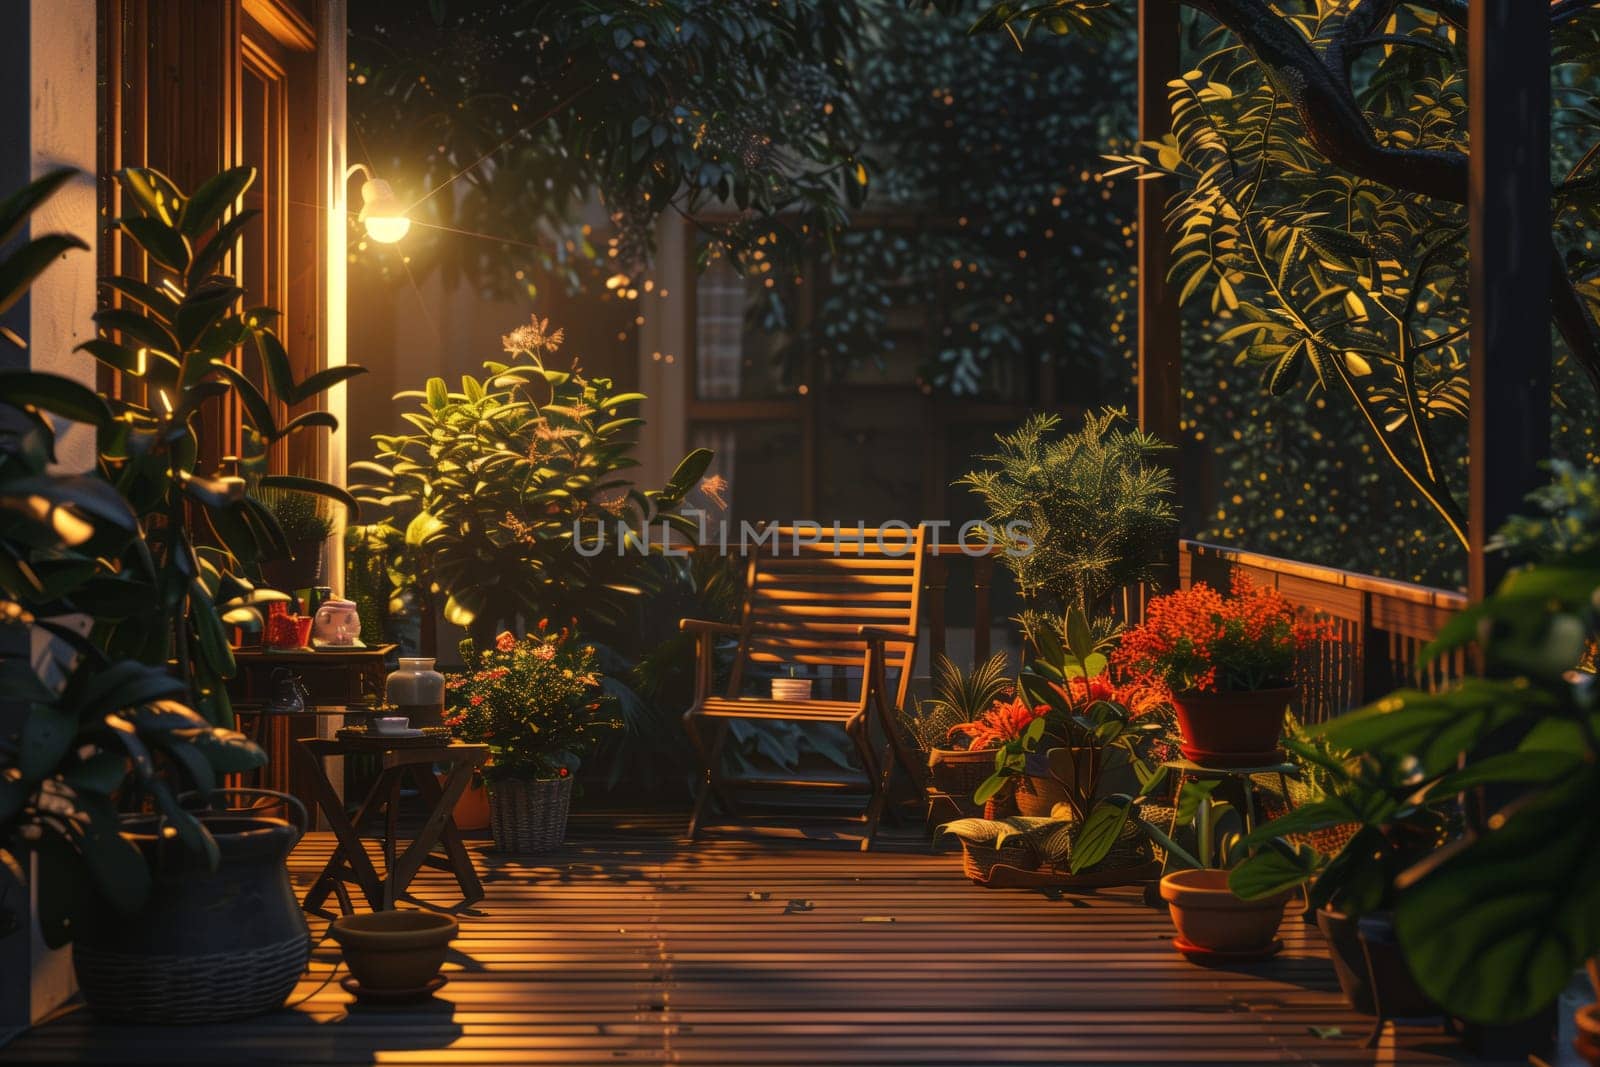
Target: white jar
417,691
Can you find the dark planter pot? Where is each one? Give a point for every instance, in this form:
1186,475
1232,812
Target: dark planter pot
302,572
1349,962
1232,729
207,946
1395,993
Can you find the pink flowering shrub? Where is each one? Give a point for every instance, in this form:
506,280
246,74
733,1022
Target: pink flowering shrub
536,701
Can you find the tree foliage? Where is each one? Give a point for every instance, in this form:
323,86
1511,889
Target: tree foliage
666,106
1320,153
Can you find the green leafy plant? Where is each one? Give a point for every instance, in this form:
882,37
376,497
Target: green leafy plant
536,701
97,731
1494,922
1387,826
512,495
179,338
958,697
302,516
1085,514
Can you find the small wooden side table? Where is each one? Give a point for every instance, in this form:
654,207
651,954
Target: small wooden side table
398,760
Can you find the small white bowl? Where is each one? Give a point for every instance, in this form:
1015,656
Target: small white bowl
391,724
791,688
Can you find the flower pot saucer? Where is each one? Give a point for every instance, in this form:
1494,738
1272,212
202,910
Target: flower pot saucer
1199,954
364,995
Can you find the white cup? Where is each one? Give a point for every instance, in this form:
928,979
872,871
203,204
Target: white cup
391,724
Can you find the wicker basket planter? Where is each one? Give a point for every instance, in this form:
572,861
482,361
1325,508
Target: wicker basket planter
207,946
957,774
529,815
1016,866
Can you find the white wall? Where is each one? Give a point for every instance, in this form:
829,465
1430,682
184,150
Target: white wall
63,103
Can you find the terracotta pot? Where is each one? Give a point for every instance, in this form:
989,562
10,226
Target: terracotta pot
1588,1040
394,949
1209,916
472,810
1395,993
1232,729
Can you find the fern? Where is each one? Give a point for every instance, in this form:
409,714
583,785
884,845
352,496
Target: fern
1096,504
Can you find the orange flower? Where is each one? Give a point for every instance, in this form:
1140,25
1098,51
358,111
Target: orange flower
1006,721
505,642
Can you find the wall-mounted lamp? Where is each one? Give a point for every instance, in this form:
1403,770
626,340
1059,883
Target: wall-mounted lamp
381,211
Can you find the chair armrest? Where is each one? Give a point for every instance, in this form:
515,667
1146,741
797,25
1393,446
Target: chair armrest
704,626
881,634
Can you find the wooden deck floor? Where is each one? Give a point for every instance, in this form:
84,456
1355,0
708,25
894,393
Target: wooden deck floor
633,947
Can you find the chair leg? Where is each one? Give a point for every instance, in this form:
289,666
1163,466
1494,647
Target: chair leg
710,758
880,794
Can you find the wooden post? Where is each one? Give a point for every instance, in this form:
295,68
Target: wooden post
1508,69
1160,329
1160,333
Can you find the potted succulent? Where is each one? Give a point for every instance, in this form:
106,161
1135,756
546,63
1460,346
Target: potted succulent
1229,663
537,702
148,549
943,727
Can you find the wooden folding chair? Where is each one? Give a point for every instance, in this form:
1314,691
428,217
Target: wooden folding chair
837,600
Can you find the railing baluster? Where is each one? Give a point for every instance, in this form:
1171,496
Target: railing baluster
982,578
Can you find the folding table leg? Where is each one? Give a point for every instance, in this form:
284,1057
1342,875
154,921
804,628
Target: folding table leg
349,848
441,826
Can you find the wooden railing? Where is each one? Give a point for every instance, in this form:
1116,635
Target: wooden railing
937,567
1379,626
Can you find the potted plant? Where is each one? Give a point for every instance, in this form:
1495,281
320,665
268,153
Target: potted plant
1093,510
537,702
539,536
306,525
1359,829
148,549
943,727
1085,838
1495,920
1229,663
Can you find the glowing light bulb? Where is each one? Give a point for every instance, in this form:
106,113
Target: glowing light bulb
387,229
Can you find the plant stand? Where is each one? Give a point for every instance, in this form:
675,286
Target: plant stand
399,759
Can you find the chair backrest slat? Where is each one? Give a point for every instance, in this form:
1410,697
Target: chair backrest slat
808,594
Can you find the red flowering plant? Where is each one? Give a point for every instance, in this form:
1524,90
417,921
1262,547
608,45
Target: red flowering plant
1089,725
1086,717
536,701
1199,640
1007,720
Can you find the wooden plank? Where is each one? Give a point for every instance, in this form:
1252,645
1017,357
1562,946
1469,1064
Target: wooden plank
1508,211
630,946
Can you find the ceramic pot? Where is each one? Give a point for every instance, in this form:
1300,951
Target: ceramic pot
417,691
207,945
1232,729
791,688
394,950
1395,993
337,624
1210,917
